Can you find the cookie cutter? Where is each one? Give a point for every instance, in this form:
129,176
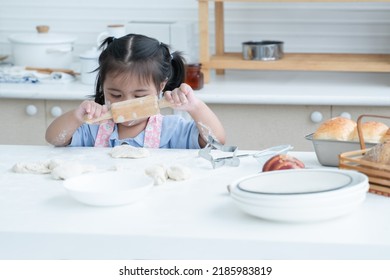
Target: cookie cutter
234,158
213,144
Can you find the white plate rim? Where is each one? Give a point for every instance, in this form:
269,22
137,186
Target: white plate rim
234,186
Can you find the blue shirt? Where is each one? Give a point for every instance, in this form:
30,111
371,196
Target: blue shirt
176,133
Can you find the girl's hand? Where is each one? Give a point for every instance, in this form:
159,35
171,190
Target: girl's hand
182,98
90,109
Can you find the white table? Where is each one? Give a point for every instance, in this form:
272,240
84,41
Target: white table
193,219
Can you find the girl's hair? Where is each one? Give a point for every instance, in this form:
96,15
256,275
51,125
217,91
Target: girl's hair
142,57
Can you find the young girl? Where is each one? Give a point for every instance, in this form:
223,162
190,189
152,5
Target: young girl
131,67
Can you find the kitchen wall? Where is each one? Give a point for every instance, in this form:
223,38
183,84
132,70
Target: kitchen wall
304,27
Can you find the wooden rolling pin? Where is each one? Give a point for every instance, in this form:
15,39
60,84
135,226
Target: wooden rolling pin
134,109
51,70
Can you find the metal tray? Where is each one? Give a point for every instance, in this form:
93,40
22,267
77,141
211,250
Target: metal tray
328,151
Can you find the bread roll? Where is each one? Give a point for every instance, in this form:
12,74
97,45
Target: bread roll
386,137
373,132
337,128
379,153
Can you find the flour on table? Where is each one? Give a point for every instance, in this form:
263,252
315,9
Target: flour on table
71,169
158,173
178,173
127,151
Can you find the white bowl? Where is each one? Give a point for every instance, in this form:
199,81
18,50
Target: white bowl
109,188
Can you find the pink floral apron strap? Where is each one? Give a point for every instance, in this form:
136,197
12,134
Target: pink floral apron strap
153,132
104,133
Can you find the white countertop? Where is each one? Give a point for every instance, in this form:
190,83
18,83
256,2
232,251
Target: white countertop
250,87
193,219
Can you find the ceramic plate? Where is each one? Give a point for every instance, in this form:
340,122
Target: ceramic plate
109,188
300,195
301,214
296,181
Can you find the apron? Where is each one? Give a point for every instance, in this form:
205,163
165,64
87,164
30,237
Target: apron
152,132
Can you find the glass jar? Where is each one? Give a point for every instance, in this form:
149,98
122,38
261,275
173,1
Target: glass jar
194,77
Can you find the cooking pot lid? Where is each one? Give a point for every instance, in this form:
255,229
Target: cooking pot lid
41,38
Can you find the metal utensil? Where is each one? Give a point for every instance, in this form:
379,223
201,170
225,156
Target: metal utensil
234,159
262,50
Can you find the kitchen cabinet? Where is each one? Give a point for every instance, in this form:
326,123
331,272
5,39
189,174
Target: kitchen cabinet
24,121
247,126
356,111
55,108
260,126
222,60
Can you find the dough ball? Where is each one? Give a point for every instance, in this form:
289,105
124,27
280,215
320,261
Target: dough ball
127,151
53,163
158,173
32,167
71,169
178,173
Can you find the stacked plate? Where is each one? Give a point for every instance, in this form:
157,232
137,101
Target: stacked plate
300,195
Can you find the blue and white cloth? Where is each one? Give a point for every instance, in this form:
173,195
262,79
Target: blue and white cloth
15,74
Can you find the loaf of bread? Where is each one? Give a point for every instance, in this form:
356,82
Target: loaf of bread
379,153
373,132
337,128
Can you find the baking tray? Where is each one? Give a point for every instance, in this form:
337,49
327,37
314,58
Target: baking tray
378,173
328,151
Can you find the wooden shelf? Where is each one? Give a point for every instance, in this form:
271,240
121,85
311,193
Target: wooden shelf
221,60
305,62
294,1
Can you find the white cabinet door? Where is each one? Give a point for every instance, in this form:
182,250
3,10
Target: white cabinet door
356,111
22,121
261,126
55,108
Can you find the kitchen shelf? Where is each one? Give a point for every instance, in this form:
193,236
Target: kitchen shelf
222,60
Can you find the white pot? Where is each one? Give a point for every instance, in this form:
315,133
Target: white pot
42,49
89,63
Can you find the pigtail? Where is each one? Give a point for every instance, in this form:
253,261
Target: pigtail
177,77
99,94
106,42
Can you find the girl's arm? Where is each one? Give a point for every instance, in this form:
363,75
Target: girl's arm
60,131
183,98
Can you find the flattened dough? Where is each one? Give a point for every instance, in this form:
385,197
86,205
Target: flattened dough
71,169
178,173
38,167
127,151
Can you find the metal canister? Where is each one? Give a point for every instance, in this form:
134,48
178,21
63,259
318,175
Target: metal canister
262,50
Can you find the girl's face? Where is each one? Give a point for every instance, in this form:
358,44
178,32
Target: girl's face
123,87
